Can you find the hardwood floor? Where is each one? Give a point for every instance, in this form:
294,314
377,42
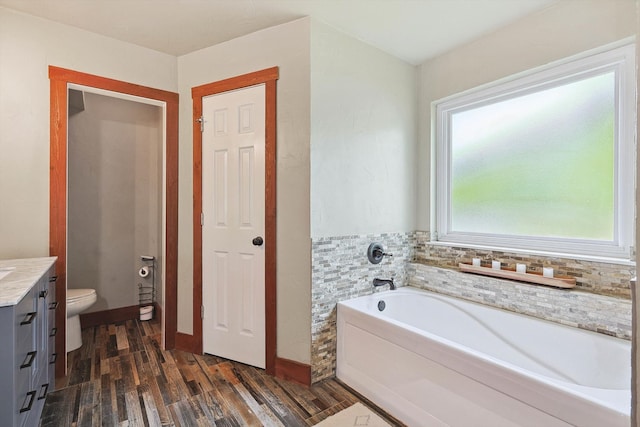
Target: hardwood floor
121,377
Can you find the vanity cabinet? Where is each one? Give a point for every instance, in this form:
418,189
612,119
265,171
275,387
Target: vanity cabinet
27,330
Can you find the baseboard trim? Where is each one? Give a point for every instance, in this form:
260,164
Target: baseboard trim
291,370
104,317
285,369
186,342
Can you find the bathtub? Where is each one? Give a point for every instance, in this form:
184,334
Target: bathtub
432,361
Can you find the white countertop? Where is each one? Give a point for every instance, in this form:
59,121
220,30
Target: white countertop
26,272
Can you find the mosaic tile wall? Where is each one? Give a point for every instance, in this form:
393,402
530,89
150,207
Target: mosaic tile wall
597,277
586,310
340,271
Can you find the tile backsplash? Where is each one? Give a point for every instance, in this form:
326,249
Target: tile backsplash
600,302
340,271
591,276
585,310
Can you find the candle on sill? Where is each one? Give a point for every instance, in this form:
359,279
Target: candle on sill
495,265
475,262
521,268
547,272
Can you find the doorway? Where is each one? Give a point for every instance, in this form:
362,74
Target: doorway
267,77
114,200
60,82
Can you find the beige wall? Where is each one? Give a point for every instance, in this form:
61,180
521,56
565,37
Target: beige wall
564,29
287,47
363,137
114,197
28,45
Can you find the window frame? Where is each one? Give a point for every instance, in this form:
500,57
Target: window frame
621,59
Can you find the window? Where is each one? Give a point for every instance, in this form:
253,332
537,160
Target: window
544,161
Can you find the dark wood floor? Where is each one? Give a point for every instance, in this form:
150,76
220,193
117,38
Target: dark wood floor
121,377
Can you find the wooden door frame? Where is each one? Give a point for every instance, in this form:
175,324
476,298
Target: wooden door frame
268,77
60,78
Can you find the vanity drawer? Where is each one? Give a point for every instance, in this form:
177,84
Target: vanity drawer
26,402
24,345
26,318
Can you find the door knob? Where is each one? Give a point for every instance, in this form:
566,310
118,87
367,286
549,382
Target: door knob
258,241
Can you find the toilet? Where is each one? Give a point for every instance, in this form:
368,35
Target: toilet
78,300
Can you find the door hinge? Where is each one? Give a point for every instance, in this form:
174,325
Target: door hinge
201,219
201,121
202,311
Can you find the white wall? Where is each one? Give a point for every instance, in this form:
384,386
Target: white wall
287,47
564,29
28,45
363,137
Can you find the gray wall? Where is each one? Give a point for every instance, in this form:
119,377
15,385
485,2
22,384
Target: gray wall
114,197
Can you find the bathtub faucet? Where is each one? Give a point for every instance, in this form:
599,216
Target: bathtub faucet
382,282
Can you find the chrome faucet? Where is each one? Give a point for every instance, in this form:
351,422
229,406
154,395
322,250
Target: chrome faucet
382,282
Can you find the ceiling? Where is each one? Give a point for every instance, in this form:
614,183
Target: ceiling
412,30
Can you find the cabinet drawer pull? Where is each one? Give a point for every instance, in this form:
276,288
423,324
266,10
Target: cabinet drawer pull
53,305
53,358
43,393
31,395
28,361
43,294
53,279
53,332
28,318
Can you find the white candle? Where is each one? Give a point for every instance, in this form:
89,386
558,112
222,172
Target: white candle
495,265
547,272
475,262
521,268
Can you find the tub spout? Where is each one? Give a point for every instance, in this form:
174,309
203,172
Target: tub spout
382,282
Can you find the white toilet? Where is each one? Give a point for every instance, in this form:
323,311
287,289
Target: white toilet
78,300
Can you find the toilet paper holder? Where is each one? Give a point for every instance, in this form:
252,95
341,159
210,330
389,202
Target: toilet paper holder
144,271
146,293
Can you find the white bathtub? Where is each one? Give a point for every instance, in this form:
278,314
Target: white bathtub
431,360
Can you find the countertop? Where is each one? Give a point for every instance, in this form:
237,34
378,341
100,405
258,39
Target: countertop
19,282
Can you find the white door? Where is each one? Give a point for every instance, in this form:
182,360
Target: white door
233,188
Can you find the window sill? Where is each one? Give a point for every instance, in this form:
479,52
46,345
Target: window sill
607,260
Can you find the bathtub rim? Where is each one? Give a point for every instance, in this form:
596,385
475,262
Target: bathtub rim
533,389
